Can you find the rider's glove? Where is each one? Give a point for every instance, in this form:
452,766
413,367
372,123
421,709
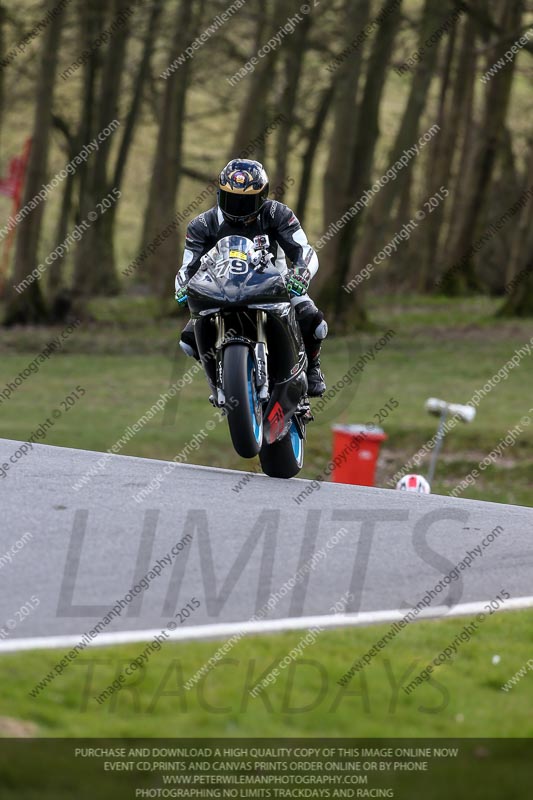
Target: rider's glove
298,281
181,296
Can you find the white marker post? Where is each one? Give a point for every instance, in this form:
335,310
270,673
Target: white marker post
442,409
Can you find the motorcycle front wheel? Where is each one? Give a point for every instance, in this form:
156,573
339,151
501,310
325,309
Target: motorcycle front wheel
244,409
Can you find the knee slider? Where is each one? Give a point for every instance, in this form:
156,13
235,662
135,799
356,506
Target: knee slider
187,349
188,342
311,320
321,330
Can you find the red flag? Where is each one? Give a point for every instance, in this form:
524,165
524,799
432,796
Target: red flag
12,186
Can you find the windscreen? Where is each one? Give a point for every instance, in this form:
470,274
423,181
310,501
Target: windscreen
230,256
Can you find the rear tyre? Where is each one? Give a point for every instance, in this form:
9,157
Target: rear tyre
285,458
245,413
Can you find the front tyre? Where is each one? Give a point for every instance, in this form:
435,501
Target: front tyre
245,413
284,458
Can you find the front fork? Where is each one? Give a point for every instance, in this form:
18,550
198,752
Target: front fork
221,335
260,356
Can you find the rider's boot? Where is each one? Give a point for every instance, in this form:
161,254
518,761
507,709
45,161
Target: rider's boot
315,377
188,341
314,330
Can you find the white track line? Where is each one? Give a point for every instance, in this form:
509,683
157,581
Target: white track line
227,629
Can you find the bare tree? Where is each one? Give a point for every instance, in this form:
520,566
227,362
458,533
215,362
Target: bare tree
361,159
158,268
519,272
349,309
28,306
292,65
458,75
337,187
94,269
3,15
478,179
55,272
314,136
251,121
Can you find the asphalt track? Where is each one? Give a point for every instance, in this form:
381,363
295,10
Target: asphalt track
239,553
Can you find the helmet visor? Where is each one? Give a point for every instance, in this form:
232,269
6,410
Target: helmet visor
240,206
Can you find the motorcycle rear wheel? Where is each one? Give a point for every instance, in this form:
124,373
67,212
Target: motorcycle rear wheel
284,458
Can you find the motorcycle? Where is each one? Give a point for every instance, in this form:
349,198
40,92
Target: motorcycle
252,352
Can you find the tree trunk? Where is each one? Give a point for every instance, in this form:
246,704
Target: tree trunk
455,85
362,157
55,271
520,301
380,211
92,21
159,268
2,50
292,70
464,143
140,82
516,256
94,271
28,306
254,107
519,272
460,274
337,188
308,158
128,129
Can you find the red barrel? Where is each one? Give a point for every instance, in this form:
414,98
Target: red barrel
355,453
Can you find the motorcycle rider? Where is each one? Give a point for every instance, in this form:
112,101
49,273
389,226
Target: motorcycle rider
243,209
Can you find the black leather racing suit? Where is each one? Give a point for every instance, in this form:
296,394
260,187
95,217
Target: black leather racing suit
286,237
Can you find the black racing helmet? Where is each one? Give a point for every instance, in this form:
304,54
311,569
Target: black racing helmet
243,190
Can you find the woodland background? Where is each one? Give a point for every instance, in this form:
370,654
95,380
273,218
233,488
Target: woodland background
352,86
